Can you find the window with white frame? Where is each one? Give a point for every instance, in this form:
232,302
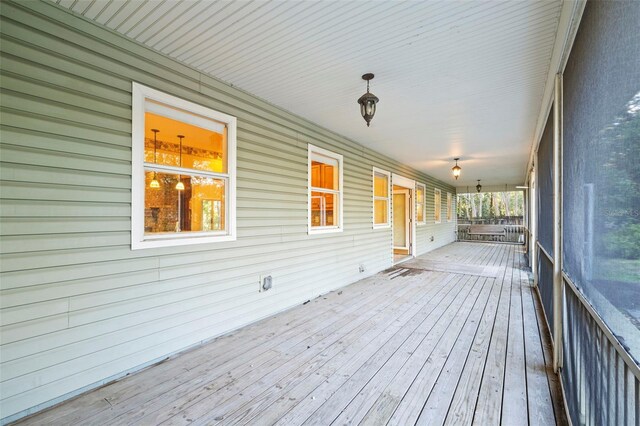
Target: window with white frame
420,204
183,172
437,206
449,207
325,191
381,194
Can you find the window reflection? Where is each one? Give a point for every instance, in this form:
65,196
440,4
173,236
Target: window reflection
200,206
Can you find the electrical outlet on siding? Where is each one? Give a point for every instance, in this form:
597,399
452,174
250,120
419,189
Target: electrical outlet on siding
265,283
361,268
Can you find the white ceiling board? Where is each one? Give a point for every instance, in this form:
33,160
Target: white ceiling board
454,78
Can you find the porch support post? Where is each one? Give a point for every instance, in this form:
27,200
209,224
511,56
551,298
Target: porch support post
558,288
533,222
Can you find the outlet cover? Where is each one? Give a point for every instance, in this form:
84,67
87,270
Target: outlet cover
266,282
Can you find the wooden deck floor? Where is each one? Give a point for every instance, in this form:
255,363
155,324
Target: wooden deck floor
452,337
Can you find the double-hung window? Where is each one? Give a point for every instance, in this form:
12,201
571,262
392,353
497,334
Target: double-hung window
183,173
325,191
420,204
437,206
381,193
449,207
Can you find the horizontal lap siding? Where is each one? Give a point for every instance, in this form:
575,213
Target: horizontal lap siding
78,306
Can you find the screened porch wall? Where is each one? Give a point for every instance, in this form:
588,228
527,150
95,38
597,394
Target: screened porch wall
78,306
601,217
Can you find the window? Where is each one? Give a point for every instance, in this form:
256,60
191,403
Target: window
437,206
381,204
325,191
183,172
449,207
420,204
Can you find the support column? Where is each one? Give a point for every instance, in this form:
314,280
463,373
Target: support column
558,283
533,223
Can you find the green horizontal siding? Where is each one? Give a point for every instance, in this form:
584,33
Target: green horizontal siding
77,305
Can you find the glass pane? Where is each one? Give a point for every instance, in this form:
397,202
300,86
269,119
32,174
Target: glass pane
381,185
202,149
324,175
437,207
380,212
419,194
420,212
211,215
324,209
200,206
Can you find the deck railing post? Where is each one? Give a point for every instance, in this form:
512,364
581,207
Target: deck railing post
558,283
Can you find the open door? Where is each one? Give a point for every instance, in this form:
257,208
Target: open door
401,219
403,224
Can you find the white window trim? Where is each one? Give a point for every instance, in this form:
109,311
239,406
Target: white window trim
424,204
312,149
437,193
141,94
449,207
374,198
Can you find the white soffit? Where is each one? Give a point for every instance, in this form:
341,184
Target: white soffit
454,78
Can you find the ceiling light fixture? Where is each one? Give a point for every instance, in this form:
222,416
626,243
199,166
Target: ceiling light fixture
180,185
154,182
478,186
456,169
368,101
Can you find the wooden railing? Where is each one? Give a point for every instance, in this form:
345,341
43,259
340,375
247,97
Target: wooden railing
513,234
601,380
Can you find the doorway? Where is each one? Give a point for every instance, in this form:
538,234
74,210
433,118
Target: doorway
402,224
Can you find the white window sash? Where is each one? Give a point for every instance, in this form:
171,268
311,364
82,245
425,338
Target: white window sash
333,159
146,99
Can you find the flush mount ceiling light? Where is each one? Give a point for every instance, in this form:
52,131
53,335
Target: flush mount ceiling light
456,169
368,101
180,185
478,186
154,182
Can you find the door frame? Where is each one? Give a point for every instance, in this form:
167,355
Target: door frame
410,184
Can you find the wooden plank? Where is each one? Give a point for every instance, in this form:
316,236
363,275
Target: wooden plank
540,406
554,381
178,410
252,398
468,346
290,398
256,406
463,402
234,347
454,314
488,405
359,343
514,401
412,405
309,400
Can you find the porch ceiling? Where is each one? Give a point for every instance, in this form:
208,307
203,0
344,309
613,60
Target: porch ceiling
454,78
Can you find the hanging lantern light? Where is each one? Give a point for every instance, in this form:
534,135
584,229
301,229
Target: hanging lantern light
368,101
478,186
456,169
180,185
154,182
